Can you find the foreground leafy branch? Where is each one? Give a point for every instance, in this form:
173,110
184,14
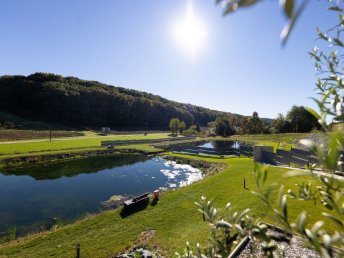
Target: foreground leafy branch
234,225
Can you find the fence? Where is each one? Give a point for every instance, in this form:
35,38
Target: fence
296,157
246,150
128,142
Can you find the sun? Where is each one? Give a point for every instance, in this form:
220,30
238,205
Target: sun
189,32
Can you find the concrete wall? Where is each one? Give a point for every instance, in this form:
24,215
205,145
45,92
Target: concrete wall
258,152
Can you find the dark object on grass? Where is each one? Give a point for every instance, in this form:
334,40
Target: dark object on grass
155,202
156,195
136,204
78,251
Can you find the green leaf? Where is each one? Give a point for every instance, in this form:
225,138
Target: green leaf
245,3
335,8
334,219
280,195
317,226
338,42
290,25
288,7
313,112
232,6
285,207
301,221
265,176
223,224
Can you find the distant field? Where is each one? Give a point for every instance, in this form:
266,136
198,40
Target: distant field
68,144
14,135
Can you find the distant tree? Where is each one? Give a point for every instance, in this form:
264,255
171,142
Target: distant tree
234,121
244,125
182,126
266,128
198,128
280,124
191,131
80,103
174,125
255,125
301,120
223,126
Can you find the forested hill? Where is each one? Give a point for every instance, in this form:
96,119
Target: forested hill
75,102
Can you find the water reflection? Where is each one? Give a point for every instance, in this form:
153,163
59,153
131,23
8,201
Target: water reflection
219,145
75,167
31,198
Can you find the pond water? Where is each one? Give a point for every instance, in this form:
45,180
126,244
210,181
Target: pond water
219,145
32,198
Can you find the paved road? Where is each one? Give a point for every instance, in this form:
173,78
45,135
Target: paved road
316,171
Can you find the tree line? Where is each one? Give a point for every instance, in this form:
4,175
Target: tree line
80,103
297,120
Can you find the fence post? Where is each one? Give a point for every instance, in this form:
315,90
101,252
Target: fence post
78,251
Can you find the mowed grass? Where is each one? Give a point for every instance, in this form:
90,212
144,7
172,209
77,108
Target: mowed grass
283,141
66,144
175,218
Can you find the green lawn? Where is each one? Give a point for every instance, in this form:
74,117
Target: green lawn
58,145
283,141
175,218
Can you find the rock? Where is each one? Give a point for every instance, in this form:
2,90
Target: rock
139,252
114,202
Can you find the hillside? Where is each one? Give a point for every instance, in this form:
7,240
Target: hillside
79,103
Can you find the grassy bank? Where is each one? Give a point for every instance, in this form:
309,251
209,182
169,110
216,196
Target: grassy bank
25,160
175,218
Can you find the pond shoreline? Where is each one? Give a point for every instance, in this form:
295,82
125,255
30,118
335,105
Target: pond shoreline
207,168
29,160
20,161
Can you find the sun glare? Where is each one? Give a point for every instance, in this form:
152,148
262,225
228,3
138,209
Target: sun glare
189,32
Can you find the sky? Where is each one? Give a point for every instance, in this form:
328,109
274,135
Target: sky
232,63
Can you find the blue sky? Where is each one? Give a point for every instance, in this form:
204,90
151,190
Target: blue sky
240,68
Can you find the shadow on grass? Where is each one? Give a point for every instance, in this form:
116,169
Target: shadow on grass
155,201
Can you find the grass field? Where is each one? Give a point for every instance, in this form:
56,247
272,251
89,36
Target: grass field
67,144
282,141
91,140
175,218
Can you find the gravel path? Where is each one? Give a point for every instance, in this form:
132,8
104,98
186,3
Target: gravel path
319,138
294,249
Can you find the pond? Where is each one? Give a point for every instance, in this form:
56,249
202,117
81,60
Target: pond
33,198
219,145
